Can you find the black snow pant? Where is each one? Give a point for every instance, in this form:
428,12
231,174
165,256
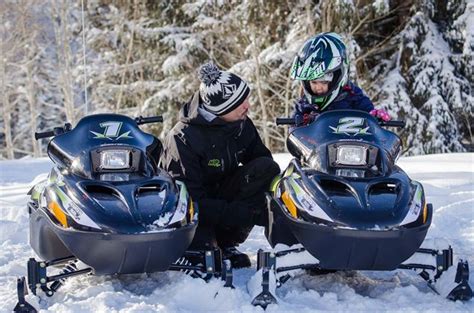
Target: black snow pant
247,186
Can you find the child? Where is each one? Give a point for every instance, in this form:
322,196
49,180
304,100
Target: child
322,66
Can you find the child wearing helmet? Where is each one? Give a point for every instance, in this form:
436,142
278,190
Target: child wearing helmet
323,68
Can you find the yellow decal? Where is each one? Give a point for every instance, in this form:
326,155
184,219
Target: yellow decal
58,213
290,205
274,183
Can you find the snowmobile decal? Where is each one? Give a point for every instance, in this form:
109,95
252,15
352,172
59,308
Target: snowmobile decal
112,130
274,183
305,201
180,213
415,206
351,125
72,210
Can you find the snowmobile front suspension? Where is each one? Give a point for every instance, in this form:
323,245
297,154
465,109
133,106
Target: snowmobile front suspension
38,278
267,261
210,264
444,260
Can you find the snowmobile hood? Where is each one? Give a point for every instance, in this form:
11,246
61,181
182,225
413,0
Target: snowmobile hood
118,207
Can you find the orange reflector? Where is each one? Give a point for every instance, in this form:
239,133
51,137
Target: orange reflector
58,213
425,213
191,209
290,205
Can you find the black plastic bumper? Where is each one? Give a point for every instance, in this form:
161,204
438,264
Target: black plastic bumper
352,249
110,253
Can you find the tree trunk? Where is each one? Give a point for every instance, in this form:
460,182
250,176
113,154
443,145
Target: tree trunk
127,59
30,93
64,55
7,108
327,13
261,100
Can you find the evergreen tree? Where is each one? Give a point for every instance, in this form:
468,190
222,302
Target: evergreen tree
424,87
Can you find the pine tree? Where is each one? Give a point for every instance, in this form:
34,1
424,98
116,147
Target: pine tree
424,88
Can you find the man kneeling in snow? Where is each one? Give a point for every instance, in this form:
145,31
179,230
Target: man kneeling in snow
216,150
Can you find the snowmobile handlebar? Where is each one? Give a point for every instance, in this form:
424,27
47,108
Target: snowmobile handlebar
285,121
67,127
292,121
39,135
147,120
56,131
399,124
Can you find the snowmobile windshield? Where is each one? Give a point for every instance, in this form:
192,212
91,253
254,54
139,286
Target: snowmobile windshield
107,147
346,143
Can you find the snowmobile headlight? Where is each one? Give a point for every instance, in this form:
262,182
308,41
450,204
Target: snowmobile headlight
351,155
115,159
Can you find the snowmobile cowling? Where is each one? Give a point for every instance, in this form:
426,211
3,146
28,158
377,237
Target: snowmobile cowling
343,198
107,203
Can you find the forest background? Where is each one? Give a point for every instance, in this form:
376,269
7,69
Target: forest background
61,60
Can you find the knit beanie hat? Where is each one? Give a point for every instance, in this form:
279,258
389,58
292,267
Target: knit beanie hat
221,91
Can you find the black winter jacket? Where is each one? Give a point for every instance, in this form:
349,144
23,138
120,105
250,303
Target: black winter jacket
204,151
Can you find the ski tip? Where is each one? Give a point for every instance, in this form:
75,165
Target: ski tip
264,299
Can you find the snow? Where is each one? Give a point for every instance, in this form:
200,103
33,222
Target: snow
448,180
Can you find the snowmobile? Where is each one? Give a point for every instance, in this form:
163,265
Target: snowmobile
343,204
106,208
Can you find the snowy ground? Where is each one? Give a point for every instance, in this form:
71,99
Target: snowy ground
448,181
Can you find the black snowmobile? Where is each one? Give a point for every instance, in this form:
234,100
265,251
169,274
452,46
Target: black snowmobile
106,208
346,206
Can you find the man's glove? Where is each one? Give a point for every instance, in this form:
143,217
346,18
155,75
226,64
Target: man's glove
257,204
380,114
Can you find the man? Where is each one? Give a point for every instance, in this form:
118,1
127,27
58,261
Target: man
216,150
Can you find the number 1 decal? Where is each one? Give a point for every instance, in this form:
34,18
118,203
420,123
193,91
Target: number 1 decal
112,129
111,132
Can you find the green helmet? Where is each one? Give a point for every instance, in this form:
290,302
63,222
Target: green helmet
325,53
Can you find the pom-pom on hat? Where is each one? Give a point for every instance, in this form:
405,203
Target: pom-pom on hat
221,91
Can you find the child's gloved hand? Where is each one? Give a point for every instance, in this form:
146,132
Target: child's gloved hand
380,114
305,119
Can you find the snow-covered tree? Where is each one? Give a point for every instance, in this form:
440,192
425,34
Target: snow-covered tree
414,58
424,86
